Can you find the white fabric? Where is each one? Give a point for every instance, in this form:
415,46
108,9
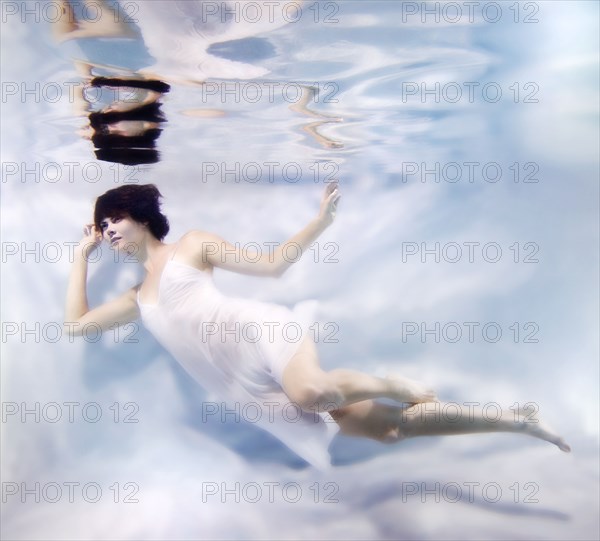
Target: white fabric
179,33
244,366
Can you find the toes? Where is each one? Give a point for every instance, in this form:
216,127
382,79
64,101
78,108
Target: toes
429,396
563,446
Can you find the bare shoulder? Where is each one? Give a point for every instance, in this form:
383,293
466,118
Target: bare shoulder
191,248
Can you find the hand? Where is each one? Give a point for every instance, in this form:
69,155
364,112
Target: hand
90,241
329,203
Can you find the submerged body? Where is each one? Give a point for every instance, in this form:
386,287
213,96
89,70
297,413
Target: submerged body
237,348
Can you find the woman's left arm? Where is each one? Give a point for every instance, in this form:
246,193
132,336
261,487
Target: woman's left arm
212,249
302,241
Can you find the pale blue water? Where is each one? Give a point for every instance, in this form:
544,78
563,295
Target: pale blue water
229,163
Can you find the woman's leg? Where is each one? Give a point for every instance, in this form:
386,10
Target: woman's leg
369,419
347,395
314,389
392,423
441,419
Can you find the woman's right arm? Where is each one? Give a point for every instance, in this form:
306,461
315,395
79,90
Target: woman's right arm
78,315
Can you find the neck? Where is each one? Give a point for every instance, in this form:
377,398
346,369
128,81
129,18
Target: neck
150,252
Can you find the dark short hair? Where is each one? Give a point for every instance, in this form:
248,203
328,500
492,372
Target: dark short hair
128,156
102,139
138,201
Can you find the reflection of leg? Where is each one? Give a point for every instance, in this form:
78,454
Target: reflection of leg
308,95
102,21
327,142
108,22
440,419
65,24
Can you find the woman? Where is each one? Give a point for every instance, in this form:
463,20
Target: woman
178,302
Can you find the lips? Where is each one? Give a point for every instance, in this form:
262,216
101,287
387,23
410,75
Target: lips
113,241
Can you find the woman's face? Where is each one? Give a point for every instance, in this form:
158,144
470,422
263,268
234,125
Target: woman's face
122,232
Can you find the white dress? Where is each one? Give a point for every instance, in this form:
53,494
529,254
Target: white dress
237,349
178,34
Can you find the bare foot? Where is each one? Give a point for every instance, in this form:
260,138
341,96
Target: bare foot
410,391
540,430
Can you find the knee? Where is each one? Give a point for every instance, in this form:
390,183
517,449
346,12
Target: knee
317,396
